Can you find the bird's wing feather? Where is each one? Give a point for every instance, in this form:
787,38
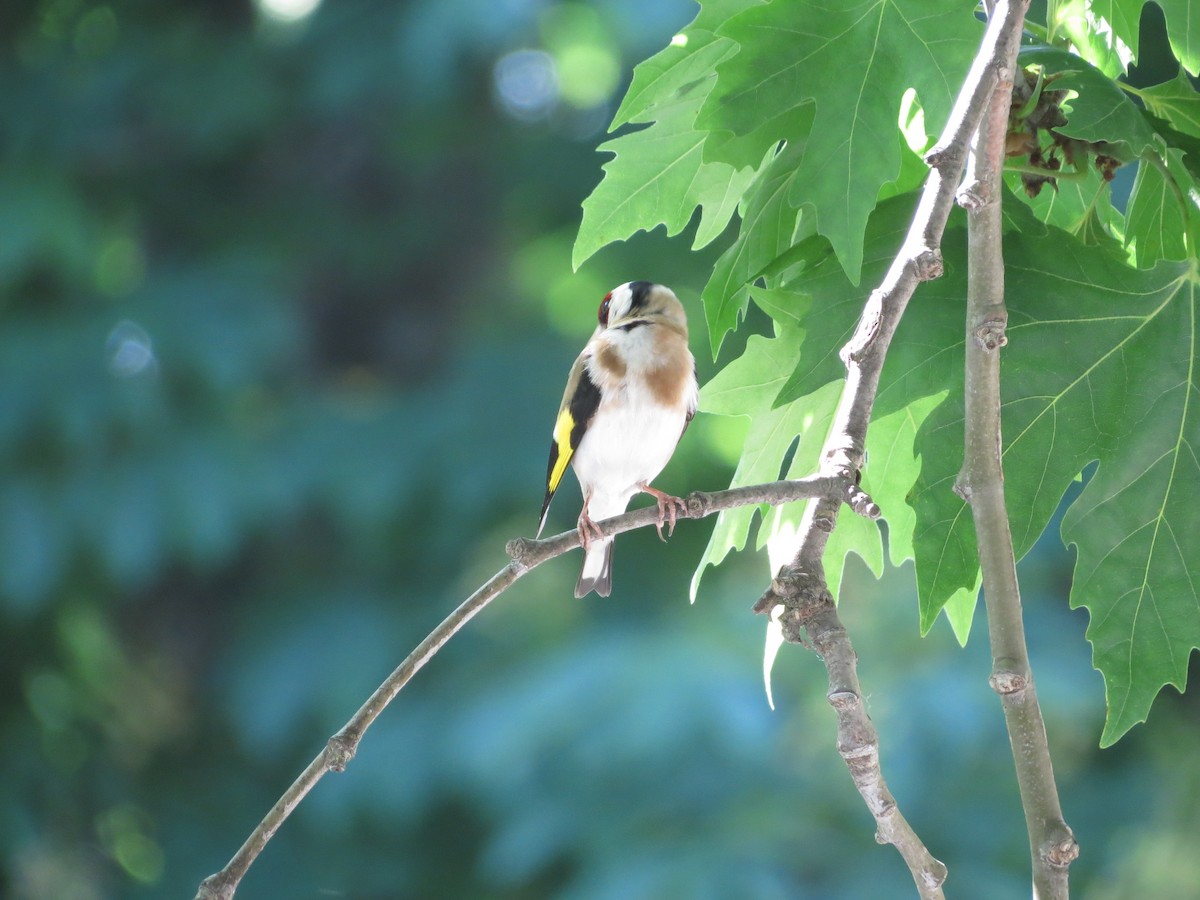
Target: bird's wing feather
693,403
580,402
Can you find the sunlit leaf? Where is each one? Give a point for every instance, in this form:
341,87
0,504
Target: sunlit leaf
1100,111
658,177
854,63
1165,196
1099,366
1079,206
690,57
769,228
1121,18
1177,101
1095,39
840,302
890,473
1182,16
747,387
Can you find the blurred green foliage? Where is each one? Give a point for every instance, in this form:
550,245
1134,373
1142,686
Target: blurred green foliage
285,310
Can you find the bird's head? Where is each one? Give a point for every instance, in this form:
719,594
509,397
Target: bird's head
641,302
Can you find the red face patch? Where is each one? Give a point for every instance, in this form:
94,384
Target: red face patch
604,305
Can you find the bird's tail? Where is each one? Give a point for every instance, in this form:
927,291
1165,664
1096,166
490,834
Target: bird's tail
596,574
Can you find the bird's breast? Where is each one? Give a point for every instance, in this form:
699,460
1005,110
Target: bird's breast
650,360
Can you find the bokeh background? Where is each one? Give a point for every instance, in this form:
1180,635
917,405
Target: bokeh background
285,313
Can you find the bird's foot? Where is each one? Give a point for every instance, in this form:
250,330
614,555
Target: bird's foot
588,530
669,508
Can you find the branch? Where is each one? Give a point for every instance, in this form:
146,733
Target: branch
981,484
525,554
798,599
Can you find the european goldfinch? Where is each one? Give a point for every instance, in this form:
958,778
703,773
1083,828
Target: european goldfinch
629,397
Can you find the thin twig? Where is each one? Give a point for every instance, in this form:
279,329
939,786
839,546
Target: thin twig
525,555
981,484
798,600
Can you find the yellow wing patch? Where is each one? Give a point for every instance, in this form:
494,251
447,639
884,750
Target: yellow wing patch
562,440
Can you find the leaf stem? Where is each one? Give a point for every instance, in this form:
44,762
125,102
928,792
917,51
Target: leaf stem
525,555
981,484
1056,174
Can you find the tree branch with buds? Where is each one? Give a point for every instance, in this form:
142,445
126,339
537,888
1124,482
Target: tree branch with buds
525,555
981,484
798,600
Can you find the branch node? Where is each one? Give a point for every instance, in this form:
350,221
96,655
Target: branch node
1006,683
928,265
867,331
1062,853
973,196
863,750
934,876
216,887
699,504
518,550
792,629
339,750
945,155
860,501
841,700
787,583
990,335
962,487
804,592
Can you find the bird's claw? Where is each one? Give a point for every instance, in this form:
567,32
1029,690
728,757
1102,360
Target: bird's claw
669,509
588,531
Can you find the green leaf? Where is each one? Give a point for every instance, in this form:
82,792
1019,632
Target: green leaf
854,62
747,387
829,307
1057,416
1176,101
1080,207
841,302
1101,111
718,206
891,471
1100,46
1182,16
658,177
787,308
769,227
924,361
1158,214
1122,18
690,57
1099,366
1176,139
853,534
1135,522
780,531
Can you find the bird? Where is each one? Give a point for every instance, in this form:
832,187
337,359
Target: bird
630,396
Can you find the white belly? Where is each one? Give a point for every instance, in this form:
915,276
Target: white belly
626,445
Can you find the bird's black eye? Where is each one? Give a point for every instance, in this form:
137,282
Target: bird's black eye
604,305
